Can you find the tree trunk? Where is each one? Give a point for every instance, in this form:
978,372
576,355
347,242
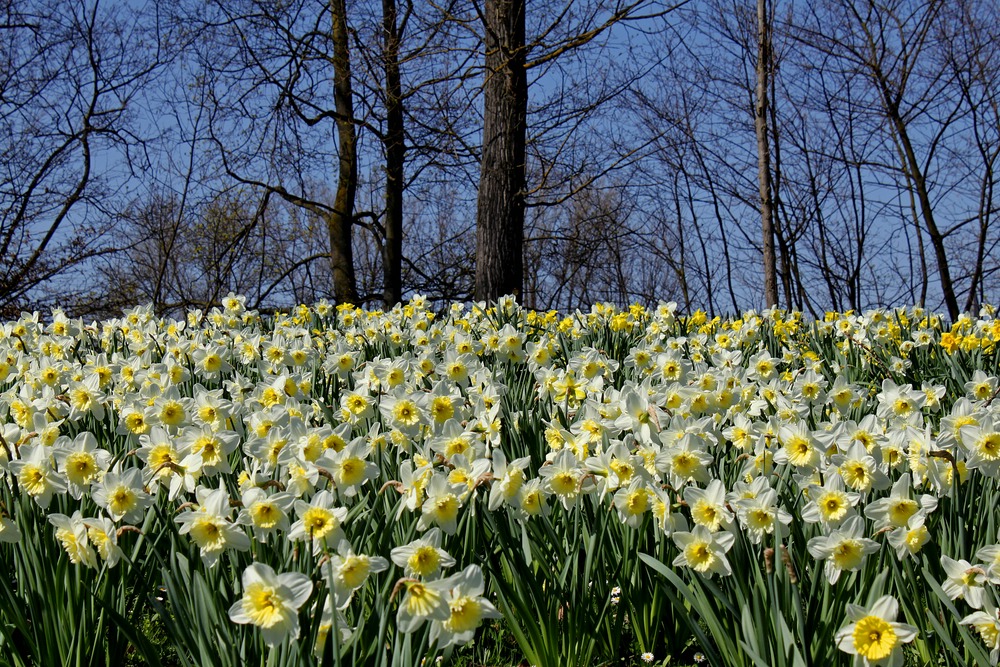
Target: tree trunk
500,205
395,153
764,156
340,221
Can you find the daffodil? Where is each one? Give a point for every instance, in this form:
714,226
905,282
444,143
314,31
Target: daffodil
35,475
873,636
703,551
987,624
908,540
466,606
708,506
761,515
565,478
899,507
122,495
71,532
963,580
103,535
859,469
266,513
831,504
9,531
271,602
683,460
844,549
632,502
209,525
348,571
508,479
423,557
81,461
423,601
319,522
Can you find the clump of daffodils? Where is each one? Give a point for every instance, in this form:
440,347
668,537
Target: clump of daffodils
367,448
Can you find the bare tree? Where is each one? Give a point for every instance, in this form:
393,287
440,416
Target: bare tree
67,90
892,44
764,173
511,54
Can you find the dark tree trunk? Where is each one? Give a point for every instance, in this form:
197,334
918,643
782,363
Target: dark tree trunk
764,156
395,154
340,221
500,206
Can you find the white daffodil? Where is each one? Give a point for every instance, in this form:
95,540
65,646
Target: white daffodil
508,478
348,572
103,535
271,602
632,502
442,506
319,523
209,525
987,624
565,478
908,540
964,581
266,513
467,608
9,531
874,637
423,557
72,535
703,551
844,549
423,601
989,556
708,506
35,475
762,516
898,507
860,470
122,495
831,504
81,461
684,460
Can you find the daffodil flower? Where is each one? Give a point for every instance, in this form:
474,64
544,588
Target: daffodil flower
209,525
35,475
964,580
319,521
830,504
987,624
423,601
266,513
9,531
81,461
703,551
122,495
466,606
874,637
72,535
844,549
898,507
349,570
708,506
271,602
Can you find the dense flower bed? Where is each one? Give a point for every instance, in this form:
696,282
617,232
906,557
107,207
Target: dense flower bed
340,486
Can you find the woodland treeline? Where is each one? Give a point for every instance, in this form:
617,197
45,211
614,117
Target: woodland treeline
831,154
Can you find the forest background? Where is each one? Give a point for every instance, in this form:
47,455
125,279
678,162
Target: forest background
836,154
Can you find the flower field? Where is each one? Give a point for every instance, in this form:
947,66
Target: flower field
486,486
